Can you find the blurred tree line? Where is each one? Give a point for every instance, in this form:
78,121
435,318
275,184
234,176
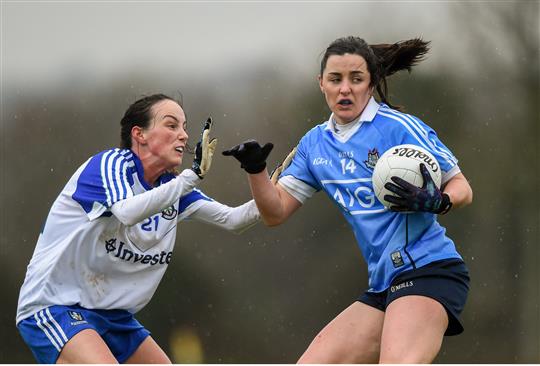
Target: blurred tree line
262,296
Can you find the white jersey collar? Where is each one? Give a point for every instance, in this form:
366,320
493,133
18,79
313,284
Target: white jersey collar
370,111
367,115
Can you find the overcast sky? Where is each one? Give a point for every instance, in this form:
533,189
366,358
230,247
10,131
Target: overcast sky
45,41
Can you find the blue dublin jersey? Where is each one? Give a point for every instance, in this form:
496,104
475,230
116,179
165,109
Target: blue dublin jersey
342,166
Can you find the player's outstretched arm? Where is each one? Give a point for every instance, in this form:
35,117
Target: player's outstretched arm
274,203
134,209
234,219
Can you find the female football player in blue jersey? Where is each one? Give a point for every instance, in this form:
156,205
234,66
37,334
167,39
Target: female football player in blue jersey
109,238
418,283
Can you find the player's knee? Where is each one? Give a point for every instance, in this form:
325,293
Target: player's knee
367,350
409,356
331,351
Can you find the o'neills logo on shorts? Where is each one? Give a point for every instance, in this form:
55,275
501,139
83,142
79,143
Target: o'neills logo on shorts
127,255
401,286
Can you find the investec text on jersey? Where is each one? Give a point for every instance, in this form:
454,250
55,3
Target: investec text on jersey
161,258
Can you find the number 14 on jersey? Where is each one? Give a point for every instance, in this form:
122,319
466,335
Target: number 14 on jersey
347,165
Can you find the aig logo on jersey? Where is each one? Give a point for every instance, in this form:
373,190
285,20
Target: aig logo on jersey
354,195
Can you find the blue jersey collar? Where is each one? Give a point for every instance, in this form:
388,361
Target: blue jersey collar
163,178
140,171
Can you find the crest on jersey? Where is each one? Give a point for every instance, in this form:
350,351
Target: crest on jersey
372,158
169,213
75,315
397,259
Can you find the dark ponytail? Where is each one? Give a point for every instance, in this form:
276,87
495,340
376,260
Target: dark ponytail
382,60
395,57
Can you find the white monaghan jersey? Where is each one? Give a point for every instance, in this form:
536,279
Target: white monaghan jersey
109,237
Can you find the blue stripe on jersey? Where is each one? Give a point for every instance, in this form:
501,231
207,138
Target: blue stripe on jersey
140,172
164,178
103,168
115,182
420,134
190,198
106,179
121,171
437,144
112,176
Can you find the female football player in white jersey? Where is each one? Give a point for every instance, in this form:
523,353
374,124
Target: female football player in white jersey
109,238
418,283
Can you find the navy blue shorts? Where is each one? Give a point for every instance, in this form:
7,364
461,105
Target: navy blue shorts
47,331
445,281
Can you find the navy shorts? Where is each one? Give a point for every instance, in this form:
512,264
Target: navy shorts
446,281
47,331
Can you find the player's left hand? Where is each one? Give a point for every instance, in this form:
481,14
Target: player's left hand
251,155
204,151
427,198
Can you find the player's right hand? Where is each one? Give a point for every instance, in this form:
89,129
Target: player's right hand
251,155
204,151
428,198
274,176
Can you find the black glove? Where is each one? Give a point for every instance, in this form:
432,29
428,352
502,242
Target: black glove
251,155
428,198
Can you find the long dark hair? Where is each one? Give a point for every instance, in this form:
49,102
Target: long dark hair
138,114
382,60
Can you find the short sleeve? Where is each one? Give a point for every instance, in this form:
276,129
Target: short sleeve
413,131
428,138
299,167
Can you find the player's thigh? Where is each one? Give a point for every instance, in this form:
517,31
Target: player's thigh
149,352
86,347
413,330
352,337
